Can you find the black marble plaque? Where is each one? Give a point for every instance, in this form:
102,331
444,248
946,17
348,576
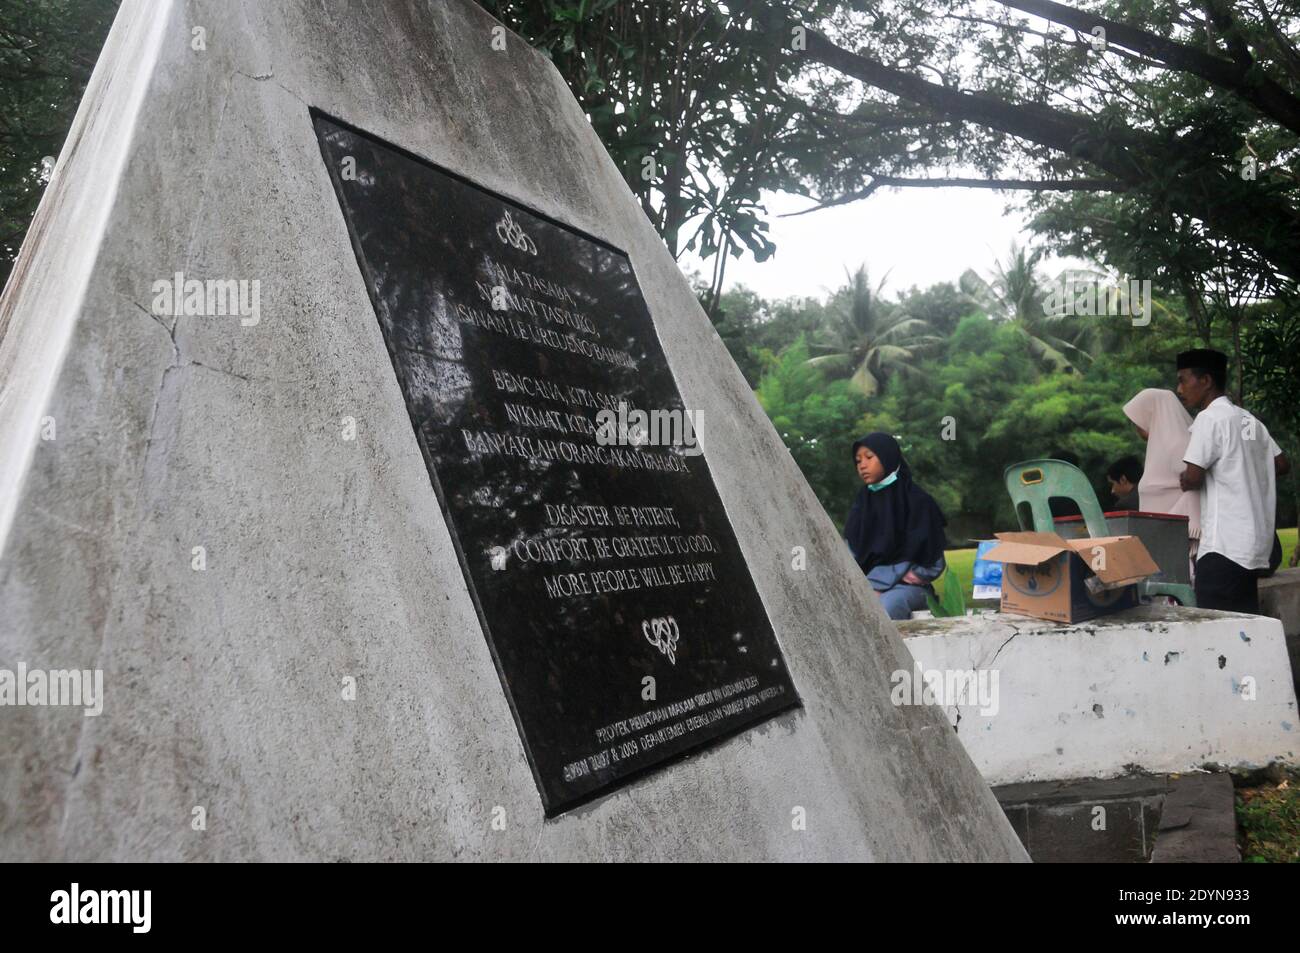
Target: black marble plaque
623,620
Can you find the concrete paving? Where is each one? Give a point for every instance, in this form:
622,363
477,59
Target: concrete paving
1198,824
1140,818
1088,820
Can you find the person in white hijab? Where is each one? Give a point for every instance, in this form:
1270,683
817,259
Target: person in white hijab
1163,422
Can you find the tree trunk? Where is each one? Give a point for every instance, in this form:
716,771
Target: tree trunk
1235,318
720,269
1295,495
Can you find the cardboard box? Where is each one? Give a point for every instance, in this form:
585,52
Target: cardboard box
1069,580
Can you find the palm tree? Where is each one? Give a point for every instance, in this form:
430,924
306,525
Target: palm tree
866,341
1015,294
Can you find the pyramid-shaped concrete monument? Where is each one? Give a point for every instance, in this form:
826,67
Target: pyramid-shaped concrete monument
337,513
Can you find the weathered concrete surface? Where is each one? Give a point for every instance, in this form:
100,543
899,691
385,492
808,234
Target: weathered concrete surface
328,559
1174,819
1152,688
1087,821
1199,822
1279,597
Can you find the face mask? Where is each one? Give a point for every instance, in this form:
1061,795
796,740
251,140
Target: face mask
875,487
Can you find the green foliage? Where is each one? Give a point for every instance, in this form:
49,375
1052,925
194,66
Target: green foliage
692,99
1268,818
942,417
1016,294
868,341
941,306
1149,136
982,398
1271,354
1271,359
816,421
755,330
47,52
981,401
719,98
1082,415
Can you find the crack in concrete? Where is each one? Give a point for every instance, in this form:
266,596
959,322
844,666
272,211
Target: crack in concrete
169,328
222,370
63,522
535,853
293,94
179,362
153,414
162,384
269,74
1015,633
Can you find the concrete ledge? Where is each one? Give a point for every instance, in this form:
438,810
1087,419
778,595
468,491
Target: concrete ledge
1279,597
1199,822
1087,821
1158,689
1176,819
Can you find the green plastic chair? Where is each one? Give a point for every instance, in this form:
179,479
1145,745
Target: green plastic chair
1032,483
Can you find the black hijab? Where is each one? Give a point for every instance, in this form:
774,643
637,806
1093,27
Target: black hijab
899,523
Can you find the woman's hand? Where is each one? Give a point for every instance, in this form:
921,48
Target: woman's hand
912,579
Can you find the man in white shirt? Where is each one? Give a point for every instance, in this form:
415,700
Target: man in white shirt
1234,463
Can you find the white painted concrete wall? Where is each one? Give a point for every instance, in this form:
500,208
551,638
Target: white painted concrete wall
1155,688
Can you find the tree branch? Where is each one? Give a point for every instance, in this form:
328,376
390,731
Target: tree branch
1283,47
1265,94
1038,123
1029,185
1206,192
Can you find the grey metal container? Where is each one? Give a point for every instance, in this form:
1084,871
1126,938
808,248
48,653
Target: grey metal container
1163,534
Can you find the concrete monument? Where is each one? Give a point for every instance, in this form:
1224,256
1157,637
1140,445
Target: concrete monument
317,538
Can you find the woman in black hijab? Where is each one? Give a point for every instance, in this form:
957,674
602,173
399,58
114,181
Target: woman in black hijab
895,529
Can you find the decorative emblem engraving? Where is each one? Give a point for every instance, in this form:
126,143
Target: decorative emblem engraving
511,234
663,635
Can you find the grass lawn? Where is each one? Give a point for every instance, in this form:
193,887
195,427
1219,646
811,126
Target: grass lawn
1268,821
1288,537
962,561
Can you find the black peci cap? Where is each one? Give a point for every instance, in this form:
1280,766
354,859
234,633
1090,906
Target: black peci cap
1214,362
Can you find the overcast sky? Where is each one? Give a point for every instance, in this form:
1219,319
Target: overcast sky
919,236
